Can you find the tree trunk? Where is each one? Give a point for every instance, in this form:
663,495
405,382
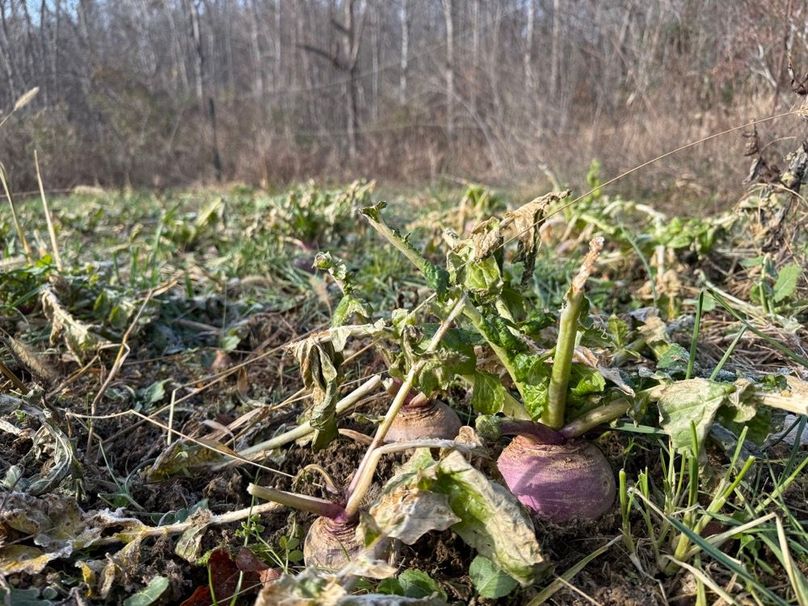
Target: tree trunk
528,56
475,53
256,49
405,44
554,48
450,92
350,97
199,74
375,50
6,55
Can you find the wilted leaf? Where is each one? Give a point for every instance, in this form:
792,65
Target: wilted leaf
184,457
407,513
319,364
57,448
613,375
492,521
150,594
35,363
695,401
489,581
78,337
189,545
524,225
23,558
119,567
224,573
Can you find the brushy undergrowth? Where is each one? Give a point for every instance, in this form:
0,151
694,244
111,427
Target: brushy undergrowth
155,364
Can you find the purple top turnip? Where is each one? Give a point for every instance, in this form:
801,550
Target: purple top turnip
422,418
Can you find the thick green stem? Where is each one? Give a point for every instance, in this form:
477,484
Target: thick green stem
553,416
596,416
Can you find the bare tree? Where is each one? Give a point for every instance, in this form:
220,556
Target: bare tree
448,18
405,47
145,91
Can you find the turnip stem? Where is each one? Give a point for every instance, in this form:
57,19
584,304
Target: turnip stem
304,429
399,400
321,507
596,416
553,416
492,428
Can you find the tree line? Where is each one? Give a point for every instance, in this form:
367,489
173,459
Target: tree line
168,92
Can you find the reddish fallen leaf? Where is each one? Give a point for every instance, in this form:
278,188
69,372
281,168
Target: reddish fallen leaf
200,597
247,561
224,576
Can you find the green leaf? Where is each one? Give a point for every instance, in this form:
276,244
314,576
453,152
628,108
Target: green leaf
489,581
390,587
483,277
349,306
150,594
229,342
585,380
418,584
488,395
454,357
693,401
674,357
786,281
22,597
437,278
618,331
498,331
533,381
154,392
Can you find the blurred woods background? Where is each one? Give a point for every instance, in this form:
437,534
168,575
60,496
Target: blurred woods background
169,92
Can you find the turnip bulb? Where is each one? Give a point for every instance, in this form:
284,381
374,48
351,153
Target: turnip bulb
560,482
421,418
424,419
331,543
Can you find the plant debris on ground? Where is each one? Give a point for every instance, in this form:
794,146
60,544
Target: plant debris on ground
189,378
